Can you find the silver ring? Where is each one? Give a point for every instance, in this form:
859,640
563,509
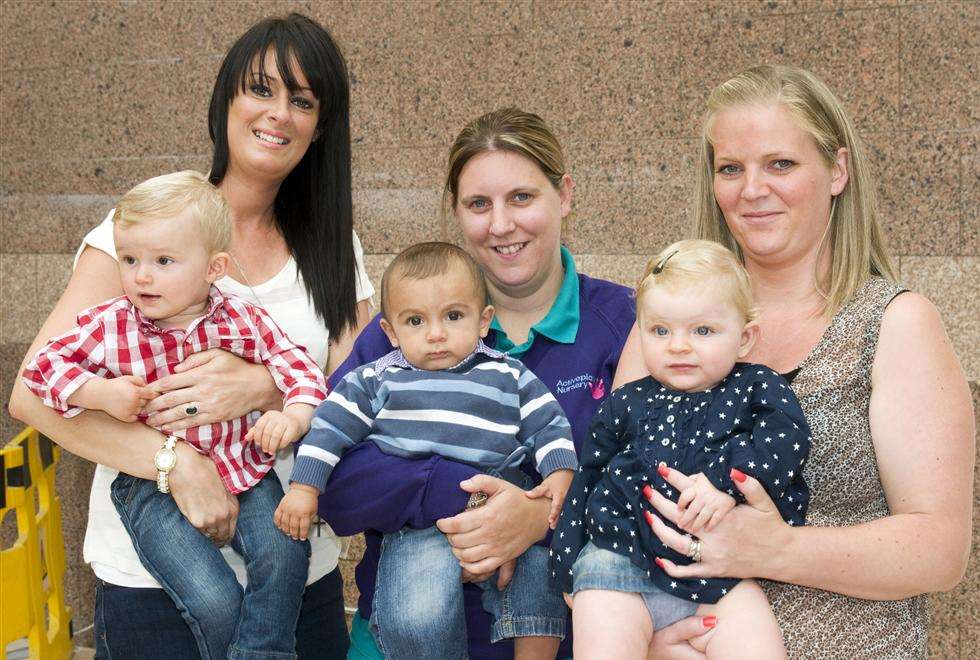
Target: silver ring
190,410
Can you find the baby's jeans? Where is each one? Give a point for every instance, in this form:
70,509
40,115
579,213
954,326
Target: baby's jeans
418,607
418,599
261,623
597,568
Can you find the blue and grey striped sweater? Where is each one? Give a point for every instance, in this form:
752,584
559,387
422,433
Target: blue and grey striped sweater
477,413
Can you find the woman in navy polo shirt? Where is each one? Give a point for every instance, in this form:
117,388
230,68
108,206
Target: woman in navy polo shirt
508,188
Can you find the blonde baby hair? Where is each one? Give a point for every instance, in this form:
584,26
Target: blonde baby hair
169,195
699,263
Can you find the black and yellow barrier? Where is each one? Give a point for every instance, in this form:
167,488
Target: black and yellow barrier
32,570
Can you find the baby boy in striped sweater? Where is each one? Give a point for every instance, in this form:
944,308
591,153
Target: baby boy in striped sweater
443,391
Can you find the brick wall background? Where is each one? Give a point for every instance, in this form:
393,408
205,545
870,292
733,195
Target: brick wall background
97,96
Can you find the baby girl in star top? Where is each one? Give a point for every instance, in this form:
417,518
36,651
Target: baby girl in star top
705,414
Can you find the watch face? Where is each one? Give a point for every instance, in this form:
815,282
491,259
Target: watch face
165,459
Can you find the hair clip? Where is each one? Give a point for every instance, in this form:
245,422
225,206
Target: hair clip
663,262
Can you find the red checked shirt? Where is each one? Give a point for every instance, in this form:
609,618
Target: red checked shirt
115,339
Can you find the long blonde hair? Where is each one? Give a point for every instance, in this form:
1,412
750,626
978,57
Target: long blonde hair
854,236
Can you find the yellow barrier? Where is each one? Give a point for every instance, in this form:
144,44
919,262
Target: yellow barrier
32,570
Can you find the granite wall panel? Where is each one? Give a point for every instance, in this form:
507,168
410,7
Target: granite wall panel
97,96
49,223
787,7
11,355
377,91
969,194
920,207
53,273
457,78
109,110
428,19
18,289
391,220
125,31
584,81
679,62
939,62
90,176
857,49
398,167
951,284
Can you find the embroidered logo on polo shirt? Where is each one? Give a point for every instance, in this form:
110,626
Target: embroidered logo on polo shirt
596,387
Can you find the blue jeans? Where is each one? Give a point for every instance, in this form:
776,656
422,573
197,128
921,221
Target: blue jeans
597,568
418,599
260,623
144,623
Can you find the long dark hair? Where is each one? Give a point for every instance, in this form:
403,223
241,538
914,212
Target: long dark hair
313,208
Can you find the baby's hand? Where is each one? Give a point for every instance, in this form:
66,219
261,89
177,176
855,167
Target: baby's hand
506,573
555,486
296,511
702,505
125,396
275,430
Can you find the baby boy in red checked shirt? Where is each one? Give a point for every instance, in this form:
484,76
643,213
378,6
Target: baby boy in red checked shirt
170,234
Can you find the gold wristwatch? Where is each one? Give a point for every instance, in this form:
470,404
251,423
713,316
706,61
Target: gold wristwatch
164,461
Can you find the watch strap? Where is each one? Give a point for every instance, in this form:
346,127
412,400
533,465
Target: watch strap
163,483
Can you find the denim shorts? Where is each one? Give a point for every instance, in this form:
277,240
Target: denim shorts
601,569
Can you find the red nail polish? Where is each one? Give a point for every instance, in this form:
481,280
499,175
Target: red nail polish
647,491
663,470
709,621
659,562
649,517
738,475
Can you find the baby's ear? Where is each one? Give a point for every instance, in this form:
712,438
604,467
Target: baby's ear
217,267
750,333
485,317
389,332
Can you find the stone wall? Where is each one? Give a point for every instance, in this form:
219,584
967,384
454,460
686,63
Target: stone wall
97,96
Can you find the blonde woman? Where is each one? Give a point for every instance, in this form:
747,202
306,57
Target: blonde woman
783,181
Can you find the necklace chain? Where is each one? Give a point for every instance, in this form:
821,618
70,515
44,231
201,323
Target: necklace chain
241,270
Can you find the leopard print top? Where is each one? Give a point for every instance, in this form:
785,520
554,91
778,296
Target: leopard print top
834,389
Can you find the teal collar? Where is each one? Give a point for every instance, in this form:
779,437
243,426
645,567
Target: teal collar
560,324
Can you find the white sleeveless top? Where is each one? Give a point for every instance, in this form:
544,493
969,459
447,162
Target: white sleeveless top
108,549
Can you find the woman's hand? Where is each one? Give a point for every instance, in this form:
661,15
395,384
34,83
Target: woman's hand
741,545
500,530
219,385
201,496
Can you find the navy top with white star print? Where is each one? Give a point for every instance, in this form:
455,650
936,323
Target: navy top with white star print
750,421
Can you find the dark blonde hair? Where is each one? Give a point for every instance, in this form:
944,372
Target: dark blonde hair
506,129
700,263
167,196
856,241
424,260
